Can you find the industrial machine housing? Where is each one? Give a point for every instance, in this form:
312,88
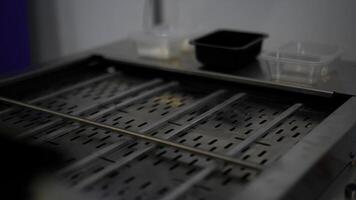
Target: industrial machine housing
133,131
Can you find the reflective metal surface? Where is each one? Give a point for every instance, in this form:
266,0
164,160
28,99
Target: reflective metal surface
341,78
290,151
93,122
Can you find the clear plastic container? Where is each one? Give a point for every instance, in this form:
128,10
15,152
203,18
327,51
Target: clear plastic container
159,38
300,62
159,46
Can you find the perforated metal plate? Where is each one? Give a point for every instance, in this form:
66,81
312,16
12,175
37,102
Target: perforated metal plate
111,165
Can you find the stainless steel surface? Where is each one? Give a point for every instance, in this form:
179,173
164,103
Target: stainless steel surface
197,123
341,79
89,107
115,106
263,130
232,152
276,181
64,90
95,177
336,190
131,133
110,109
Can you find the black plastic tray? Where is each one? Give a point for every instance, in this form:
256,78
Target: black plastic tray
227,48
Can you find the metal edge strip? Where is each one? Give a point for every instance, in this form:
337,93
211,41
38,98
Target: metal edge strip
199,176
274,182
134,134
226,77
201,117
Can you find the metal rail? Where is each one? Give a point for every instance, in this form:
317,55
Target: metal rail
107,149
178,191
233,152
92,179
110,109
67,89
135,99
92,157
97,176
124,94
261,131
133,134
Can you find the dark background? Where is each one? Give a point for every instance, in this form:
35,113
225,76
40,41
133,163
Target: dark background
14,37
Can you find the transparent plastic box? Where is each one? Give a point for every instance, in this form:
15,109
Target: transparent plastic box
300,62
159,38
159,46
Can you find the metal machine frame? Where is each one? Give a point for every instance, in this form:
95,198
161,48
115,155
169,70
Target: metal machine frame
321,154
